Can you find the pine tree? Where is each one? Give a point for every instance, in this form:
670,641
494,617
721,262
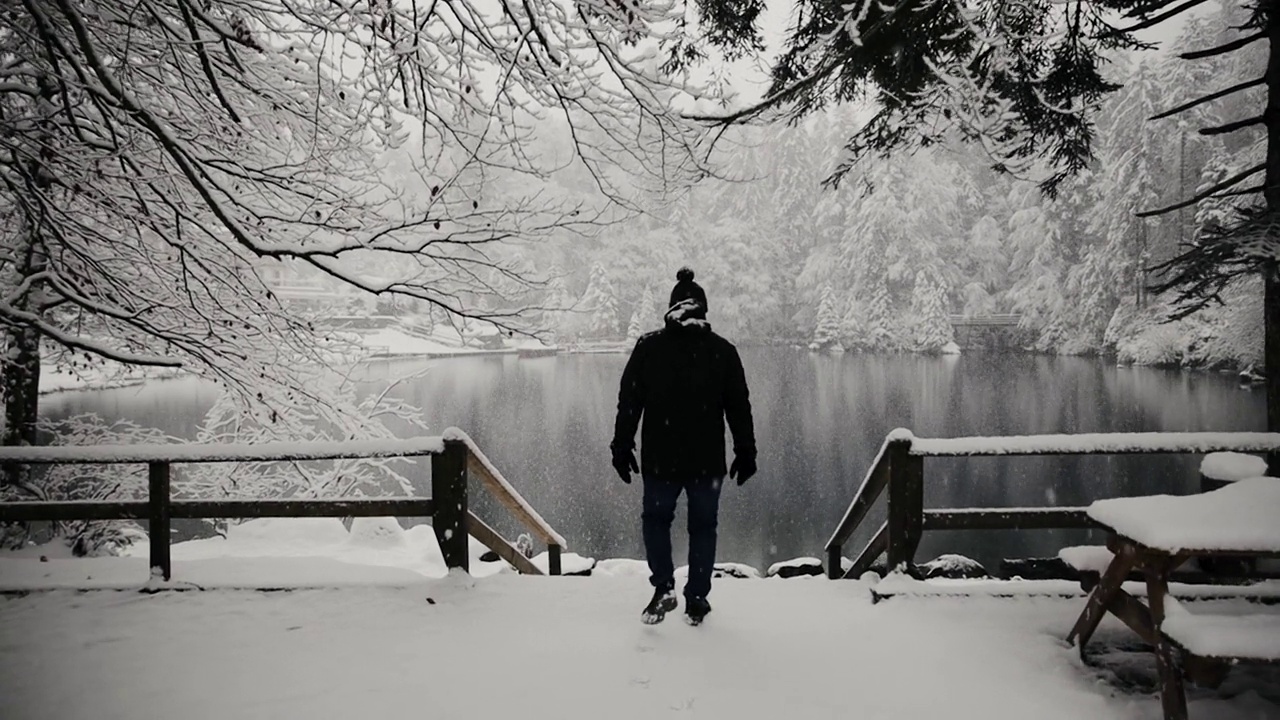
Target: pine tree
649,314
634,330
556,307
600,304
826,334
932,320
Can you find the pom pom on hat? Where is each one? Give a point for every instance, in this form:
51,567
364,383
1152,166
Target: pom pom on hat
686,289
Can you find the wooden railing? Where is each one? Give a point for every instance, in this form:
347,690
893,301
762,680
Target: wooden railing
454,459
899,468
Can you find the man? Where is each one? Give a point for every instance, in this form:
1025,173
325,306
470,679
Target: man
684,380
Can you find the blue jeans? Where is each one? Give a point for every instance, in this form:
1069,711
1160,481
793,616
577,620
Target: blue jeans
659,512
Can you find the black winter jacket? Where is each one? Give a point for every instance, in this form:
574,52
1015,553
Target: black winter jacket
685,381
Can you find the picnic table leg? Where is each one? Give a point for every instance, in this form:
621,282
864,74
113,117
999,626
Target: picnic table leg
1103,593
1173,699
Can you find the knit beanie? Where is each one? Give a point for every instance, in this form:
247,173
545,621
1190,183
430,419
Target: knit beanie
686,289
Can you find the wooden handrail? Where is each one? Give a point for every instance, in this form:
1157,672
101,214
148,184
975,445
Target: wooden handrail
874,483
454,458
898,467
218,452
1098,444
493,540
478,464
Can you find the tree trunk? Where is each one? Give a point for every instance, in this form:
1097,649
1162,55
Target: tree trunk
20,389
1271,282
20,359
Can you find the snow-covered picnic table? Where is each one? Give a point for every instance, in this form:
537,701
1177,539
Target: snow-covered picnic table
1154,535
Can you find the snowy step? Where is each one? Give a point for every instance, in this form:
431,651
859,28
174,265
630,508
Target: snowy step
1092,560
1247,638
898,585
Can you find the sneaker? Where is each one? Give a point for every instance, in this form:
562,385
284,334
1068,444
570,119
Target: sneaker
663,602
695,610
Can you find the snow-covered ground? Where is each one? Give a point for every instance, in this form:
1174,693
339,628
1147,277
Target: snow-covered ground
562,648
370,635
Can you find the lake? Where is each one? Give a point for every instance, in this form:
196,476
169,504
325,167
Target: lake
546,424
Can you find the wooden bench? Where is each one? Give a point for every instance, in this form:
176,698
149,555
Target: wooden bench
1188,582
1155,535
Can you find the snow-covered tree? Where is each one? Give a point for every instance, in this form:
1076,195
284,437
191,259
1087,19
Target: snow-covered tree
826,333
599,305
649,313
634,330
930,313
158,154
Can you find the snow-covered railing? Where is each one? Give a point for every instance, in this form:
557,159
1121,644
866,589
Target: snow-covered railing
899,468
454,458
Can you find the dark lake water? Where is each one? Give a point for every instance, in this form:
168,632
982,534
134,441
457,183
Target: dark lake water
546,424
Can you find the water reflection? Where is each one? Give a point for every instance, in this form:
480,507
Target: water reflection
546,423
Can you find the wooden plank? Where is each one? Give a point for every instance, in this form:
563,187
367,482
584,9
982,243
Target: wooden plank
218,452
25,511
1134,614
536,525
491,539
877,478
158,518
1173,699
875,547
1008,519
449,491
371,507
1100,598
553,559
835,565
247,508
906,504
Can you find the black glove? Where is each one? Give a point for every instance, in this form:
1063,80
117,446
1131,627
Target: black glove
624,461
742,469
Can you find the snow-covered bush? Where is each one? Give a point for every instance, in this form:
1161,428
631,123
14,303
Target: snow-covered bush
84,482
1142,336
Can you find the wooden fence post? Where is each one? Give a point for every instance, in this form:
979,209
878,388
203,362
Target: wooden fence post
158,529
906,504
553,560
449,493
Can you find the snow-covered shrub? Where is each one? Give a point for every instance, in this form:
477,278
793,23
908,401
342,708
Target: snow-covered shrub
1143,336
1232,335
1229,335
87,538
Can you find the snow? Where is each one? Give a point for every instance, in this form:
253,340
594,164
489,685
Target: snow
221,452
553,648
1100,443
276,552
777,567
900,584
1087,558
390,342
376,532
1231,466
443,341
743,569
951,348
1239,517
621,568
900,434
569,563
1253,636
